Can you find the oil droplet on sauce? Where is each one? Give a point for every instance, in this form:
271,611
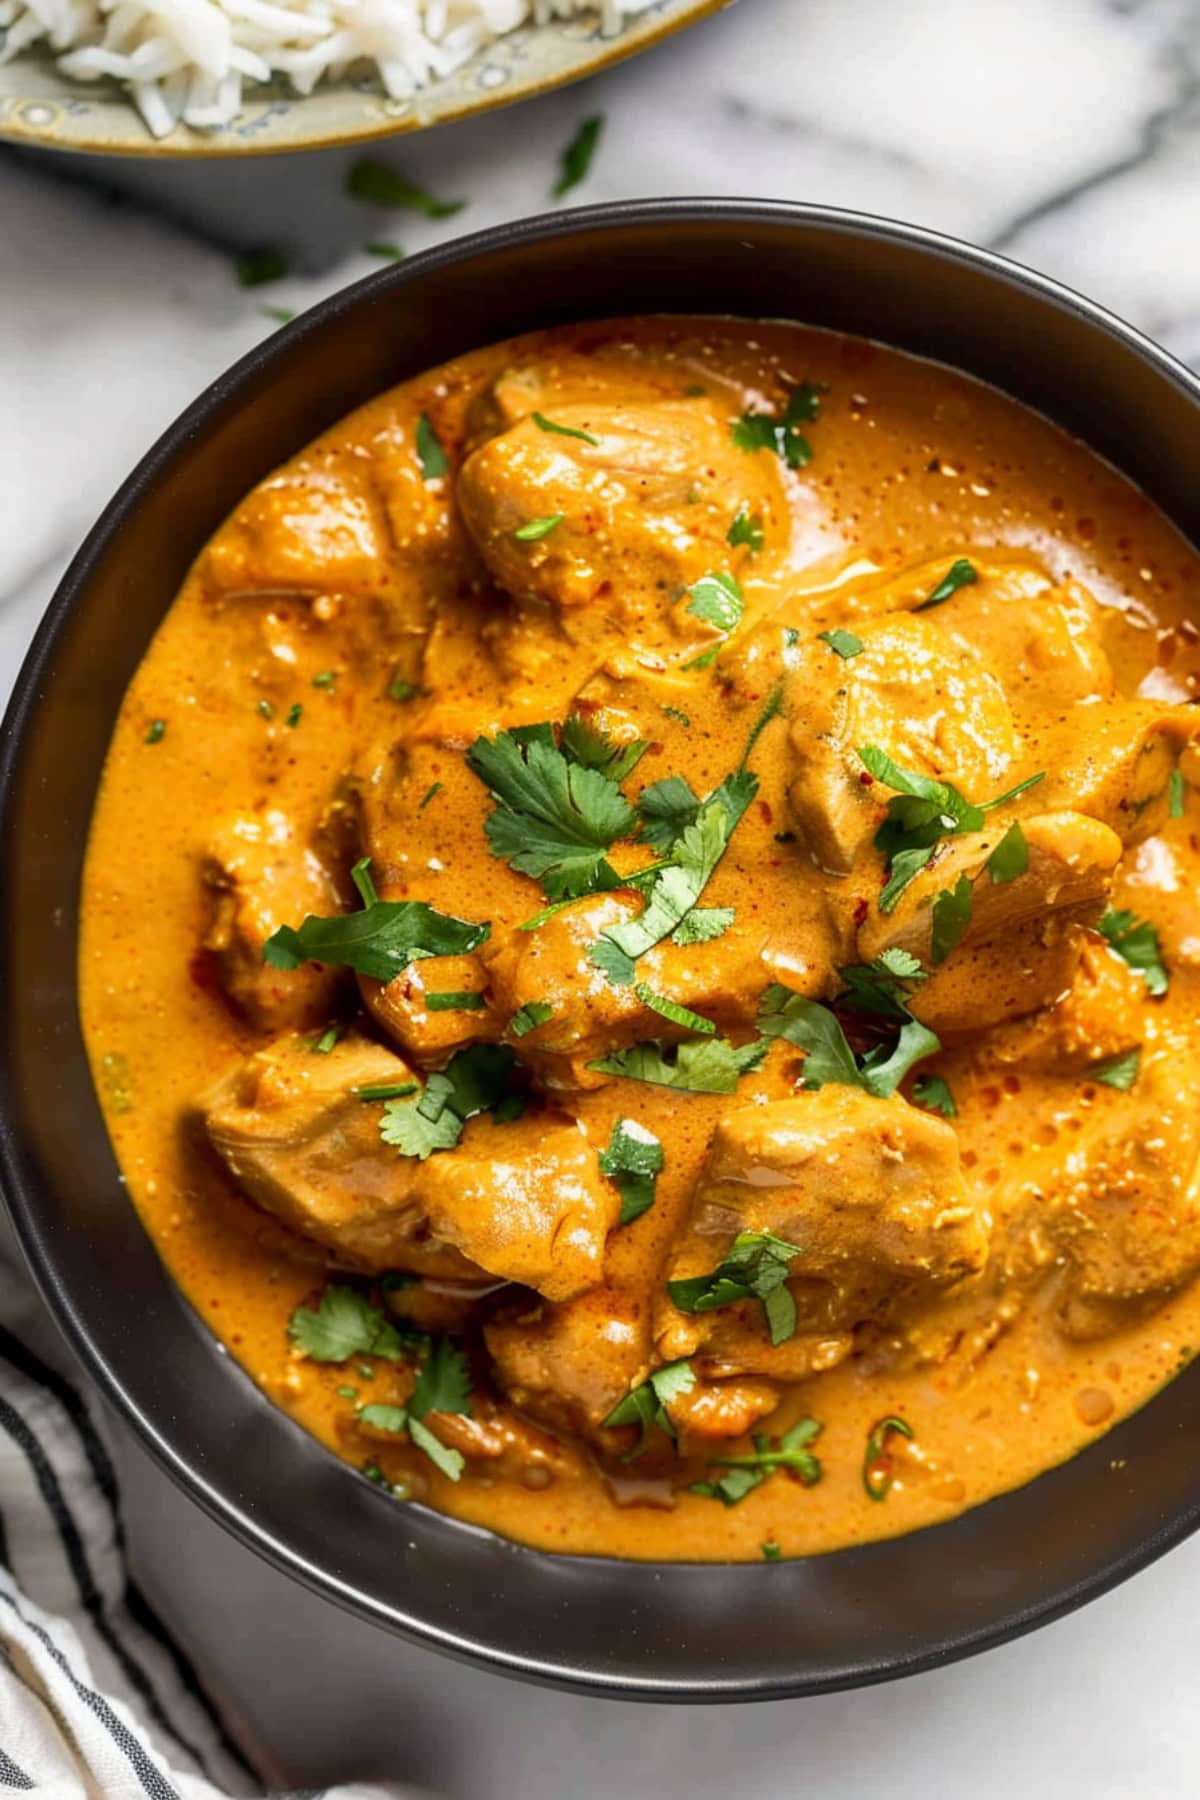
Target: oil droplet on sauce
1094,1405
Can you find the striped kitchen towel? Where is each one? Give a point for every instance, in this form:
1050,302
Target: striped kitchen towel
97,1702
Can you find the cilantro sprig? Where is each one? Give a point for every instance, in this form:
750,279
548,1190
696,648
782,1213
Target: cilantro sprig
788,1452
828,1056
877,1471
645,1406
1136,942
698,1066
443,1385
380,941
343,1324
754,1268
781,432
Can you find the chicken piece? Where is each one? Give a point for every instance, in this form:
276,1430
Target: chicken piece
1101,1015
522,1201
429,1036
261,876
921,695
1045,640
869,1190
1004,582
569,1365
644,501
316,528
592,1016
1122,1209
1114,762
1021,947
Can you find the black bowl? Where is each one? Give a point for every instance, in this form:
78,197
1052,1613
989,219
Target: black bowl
667,1631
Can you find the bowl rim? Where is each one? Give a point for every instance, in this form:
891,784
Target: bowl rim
22,1199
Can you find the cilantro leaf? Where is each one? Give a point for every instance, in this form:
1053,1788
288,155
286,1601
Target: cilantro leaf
344,1324
450,1462
645,1406
554,818
718,600
443,1382
1177,790
667,807
1119,1071
843,642
1136,941
612,961
703,924
382,1417
810,1027
633,1163
472,1082
432,458
884,986
529,1017
577,157
666,1008
730,1488
780,432
699,1066
754,1268
374,181
592,748
883,1070
746,529
536,529
1010,858
952,910
455,1000
380,941
933,1093
960,574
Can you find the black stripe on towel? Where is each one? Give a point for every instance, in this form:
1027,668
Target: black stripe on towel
31,1366
10,1775
73,1548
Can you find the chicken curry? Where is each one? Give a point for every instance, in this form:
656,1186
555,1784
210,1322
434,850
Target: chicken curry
640,941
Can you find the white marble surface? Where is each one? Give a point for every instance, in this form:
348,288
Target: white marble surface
1066,132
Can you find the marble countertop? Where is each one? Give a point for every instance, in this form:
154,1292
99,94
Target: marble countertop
1064,132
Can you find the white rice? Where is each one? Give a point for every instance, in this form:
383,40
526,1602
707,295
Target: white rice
187,61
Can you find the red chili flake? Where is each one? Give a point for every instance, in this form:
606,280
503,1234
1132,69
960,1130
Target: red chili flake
866,779
861,909
765,810
202,969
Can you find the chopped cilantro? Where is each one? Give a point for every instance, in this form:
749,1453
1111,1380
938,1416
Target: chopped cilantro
960,574
380,941
294,716
577,157
258,267
843,642
772,709
472,1082
156,731
554,818
1177,789
346,1393
746,529
400,689
432,458
1136,941
529,1017
771,1551
933,1093
455,1000
266,710
282,315
538,528
884,986
717,600
328,1038
592,748
680,718
1119,1071
645,1406
877,1472
428,795
443,1383
703,924
700,1066
368,179
667,807
571,431
781,433
754,1268
633,1163
730,1488
325,679
669,1009
388,252
386,1090
1010,858
951,916
380,1416
828,1057
344,1324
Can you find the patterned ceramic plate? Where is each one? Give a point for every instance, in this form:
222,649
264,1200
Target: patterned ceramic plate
39,106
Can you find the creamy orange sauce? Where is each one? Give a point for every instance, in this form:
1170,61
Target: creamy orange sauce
349,578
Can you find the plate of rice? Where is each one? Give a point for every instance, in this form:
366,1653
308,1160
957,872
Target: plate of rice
245,77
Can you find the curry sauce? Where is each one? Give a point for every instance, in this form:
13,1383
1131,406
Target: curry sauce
640,941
